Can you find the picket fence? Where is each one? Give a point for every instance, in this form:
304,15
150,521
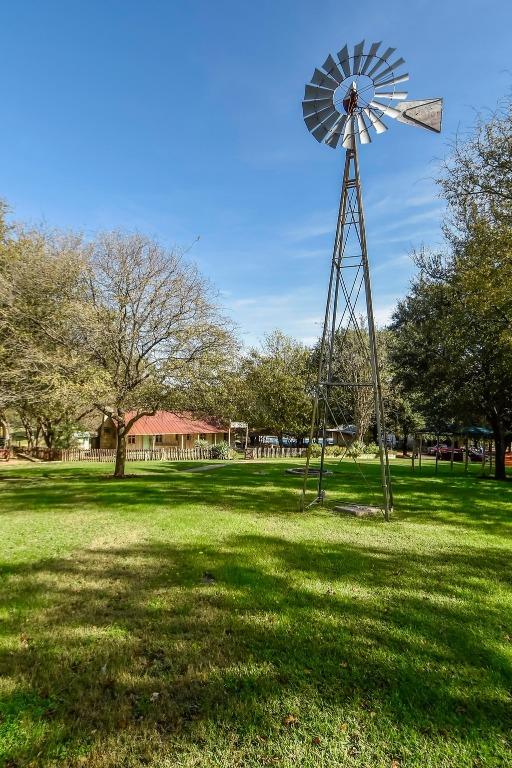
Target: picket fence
136,454
277,452
171,454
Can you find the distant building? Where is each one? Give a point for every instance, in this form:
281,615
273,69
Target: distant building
165,429
81,440
343,434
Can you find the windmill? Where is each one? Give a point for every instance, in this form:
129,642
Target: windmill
346,101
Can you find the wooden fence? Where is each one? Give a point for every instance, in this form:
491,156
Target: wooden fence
158,454
136,454
172,454
277,452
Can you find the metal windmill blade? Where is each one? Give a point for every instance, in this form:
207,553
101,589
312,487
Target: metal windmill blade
344,103
363,85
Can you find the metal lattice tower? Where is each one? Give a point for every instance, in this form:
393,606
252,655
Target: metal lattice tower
338,101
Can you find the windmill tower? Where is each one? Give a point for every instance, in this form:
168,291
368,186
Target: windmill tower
347,99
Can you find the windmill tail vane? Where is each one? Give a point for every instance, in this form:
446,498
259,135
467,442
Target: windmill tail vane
348,100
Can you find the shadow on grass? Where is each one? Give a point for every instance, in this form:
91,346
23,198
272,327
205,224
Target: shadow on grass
137,648
449,499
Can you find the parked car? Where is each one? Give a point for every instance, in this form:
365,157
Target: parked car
445,452
269,439
433,449
328,441
476,455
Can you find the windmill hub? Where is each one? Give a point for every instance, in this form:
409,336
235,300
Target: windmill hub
354,93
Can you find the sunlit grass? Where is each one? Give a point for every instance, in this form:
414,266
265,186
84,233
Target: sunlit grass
198,619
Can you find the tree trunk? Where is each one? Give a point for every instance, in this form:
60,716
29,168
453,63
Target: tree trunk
29,432
120,449
499,443
7,431
48,433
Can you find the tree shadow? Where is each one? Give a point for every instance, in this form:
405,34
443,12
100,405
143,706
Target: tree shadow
455,500
128,654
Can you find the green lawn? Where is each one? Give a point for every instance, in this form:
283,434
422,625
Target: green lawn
197,619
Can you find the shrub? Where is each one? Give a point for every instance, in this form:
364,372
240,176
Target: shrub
372,448
315,450
222,451
202,444
335,450
356,449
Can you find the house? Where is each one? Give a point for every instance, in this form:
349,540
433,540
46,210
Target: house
81,440
165,429
343,434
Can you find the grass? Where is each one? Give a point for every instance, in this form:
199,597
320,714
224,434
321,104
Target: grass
197,619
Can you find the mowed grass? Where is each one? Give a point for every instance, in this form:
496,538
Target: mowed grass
198,619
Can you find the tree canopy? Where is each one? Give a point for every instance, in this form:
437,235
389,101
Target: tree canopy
453,331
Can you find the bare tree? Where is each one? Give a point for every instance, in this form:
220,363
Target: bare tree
150,324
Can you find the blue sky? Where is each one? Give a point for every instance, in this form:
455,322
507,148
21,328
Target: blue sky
183,119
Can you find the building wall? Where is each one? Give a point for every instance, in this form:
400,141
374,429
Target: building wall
107,435
169,441
107,439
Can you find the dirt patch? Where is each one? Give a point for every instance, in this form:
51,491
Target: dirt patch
204,468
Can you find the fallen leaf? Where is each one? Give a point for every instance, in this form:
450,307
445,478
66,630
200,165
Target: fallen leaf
154,696
395,764
343,727
290,720
24,640
316,740
344,664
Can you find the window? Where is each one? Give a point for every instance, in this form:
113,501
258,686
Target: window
158,438
188,437
131,439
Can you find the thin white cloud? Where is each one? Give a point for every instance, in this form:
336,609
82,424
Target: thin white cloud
317,225
313,253
382,314
423,199
433,214
238,303
407,238
402,259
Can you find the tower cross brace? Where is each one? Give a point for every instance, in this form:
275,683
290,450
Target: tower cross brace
349,275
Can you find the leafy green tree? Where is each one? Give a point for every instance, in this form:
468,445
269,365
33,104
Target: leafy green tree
276,387
453,340
118,324
43,377
476,178
453,331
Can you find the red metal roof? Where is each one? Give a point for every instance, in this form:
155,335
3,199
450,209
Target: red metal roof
169,423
